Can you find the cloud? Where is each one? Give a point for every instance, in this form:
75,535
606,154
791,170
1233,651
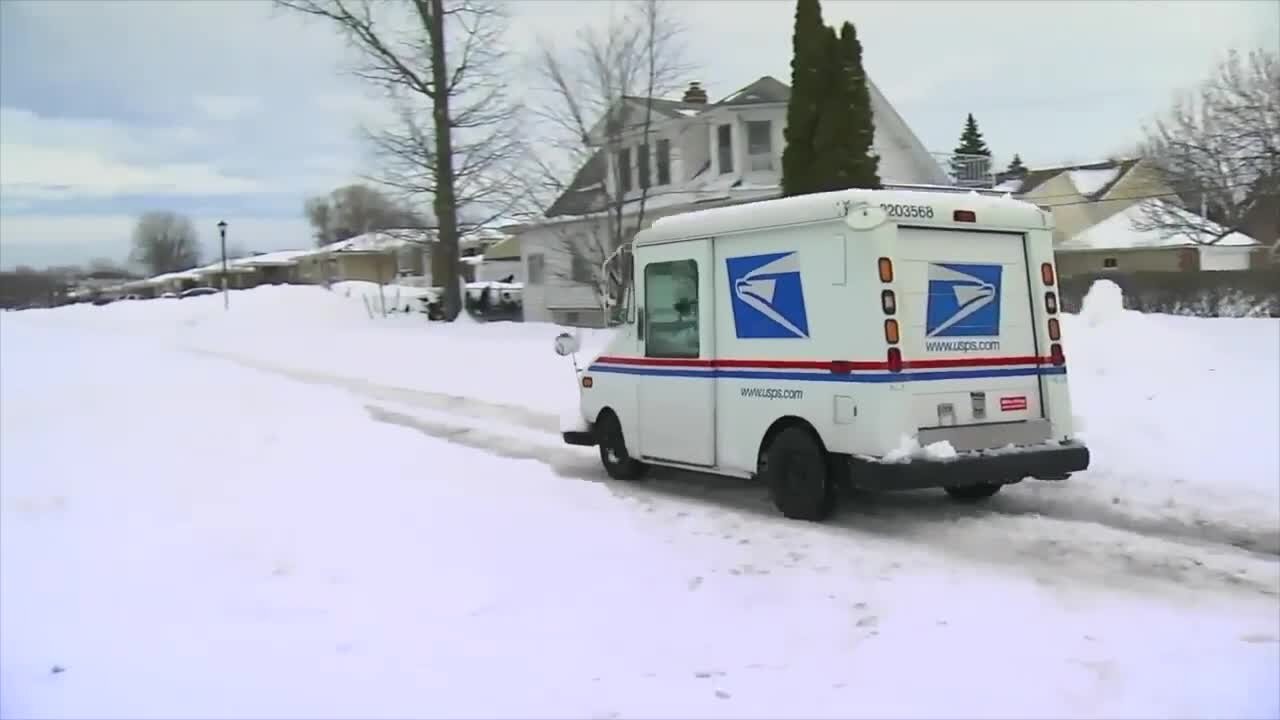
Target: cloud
227,107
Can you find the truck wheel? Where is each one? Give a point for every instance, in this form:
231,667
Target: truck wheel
797,473
613,450
973,493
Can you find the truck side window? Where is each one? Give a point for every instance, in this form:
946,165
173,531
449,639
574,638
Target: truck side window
671,309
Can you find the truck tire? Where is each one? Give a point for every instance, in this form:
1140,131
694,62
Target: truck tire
797,472
973,493
613,450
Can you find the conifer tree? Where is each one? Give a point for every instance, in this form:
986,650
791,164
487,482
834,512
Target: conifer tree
1016,169
862,165
808,52
971,170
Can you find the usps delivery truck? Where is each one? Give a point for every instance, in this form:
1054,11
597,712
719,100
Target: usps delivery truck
884,339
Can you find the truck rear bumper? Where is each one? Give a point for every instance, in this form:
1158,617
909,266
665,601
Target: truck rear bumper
1044,462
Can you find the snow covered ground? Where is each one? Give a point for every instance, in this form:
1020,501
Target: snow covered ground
294,509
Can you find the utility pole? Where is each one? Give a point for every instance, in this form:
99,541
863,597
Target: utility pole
222,232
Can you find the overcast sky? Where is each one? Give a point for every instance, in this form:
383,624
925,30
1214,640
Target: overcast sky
235,110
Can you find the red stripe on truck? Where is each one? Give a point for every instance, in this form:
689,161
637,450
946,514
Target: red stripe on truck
841,366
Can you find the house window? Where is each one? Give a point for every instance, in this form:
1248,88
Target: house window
664,162
1110,262
536,269
624,170
642,164
724,145
580,269
760,145
671,309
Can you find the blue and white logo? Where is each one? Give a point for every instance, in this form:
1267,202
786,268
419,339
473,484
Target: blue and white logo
767,296
964,300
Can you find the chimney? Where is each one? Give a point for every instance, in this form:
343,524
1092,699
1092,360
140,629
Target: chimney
695,95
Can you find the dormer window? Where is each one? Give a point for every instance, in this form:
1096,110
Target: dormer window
724,146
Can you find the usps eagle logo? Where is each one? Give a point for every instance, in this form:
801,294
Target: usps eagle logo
767,296
964,300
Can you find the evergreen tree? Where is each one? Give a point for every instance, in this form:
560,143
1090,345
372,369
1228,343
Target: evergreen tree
970,170
808,52
831,134
1016,169
862,165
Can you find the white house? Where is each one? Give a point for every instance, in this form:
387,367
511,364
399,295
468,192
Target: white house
698,155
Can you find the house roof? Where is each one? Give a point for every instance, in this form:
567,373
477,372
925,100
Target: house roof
585,191
1117,233
767,89
378,241
274,259
508,249
1091,180
670,108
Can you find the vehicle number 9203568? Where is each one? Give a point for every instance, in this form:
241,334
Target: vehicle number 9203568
907,211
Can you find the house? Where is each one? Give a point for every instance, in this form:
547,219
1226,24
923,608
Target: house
500,261
1084,195
1114,246
274,268
237,277
381,256
697,155
1095,206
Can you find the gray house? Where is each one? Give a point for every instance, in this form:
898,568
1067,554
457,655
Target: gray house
697,155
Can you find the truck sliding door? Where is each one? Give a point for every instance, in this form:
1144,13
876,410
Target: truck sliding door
676,383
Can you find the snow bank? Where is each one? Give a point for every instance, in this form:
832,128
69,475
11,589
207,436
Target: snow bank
1179,412
184,538
1104,301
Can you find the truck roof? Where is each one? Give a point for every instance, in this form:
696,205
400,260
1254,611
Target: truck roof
1000,212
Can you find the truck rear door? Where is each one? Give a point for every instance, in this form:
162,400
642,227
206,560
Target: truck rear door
968,337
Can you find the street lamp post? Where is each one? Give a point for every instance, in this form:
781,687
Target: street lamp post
222,233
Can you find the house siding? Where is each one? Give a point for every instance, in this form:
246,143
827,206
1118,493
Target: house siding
1082,262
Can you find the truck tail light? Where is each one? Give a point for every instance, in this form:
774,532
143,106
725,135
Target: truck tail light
1051,303
1055,332
888,302
891,331
894,357
1046,274
886,270
1055,355
964,216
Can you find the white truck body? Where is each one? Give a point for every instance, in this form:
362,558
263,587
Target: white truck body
746,319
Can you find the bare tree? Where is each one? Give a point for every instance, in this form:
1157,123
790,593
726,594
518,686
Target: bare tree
165,242
1220,149
446,67
602,93
356,209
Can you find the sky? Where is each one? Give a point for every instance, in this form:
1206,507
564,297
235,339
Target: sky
236,110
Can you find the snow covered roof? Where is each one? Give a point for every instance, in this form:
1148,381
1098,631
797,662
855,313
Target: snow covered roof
1117,233
277,258
378,241
1091,180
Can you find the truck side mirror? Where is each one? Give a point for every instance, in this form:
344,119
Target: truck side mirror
566,344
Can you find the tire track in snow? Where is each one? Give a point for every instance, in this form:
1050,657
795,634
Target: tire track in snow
1055,552
898,507
440,402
